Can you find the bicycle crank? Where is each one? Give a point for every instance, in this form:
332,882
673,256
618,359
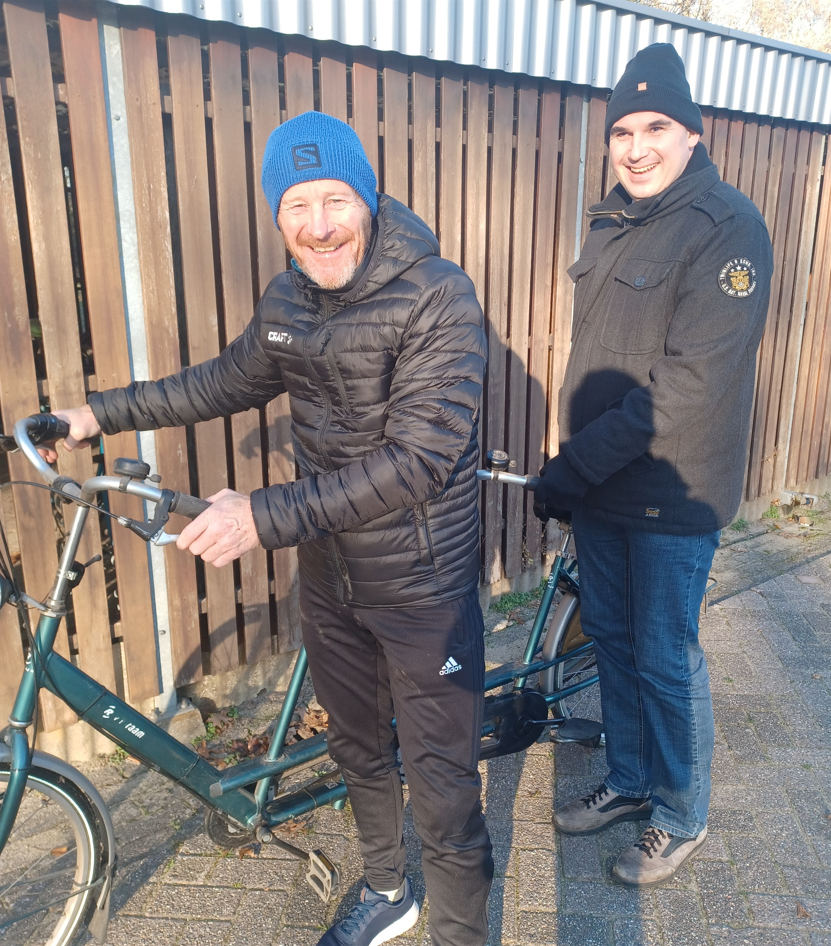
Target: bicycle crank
512,723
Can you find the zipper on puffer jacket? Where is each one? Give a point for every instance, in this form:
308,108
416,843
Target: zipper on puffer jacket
340,570
425,546
327,404
336,561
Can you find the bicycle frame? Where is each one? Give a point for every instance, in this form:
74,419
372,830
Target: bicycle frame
228,792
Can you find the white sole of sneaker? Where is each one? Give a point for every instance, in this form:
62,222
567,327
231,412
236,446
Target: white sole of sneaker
407,922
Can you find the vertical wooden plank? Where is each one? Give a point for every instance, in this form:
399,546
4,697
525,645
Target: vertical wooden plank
190,156
238,300
821,437
565,255
476,185
707,123
43,173
144,118
396,178
11,643
365,102
271,256
423,88
519,314
19,398
105,306
333,81
747,161
264,94
595,150
761,165
718,144
735,138
791,198
777,227
801,250
819,289
785,241
543,282
450,177
496,311
297,69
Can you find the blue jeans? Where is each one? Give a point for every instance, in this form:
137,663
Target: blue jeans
640,595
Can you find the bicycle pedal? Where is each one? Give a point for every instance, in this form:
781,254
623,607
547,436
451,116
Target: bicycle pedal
322,876
585,732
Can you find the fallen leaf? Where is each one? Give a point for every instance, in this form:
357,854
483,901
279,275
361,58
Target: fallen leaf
246,851
801,912
58,851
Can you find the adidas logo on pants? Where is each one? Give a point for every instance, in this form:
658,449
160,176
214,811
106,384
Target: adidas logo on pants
451,666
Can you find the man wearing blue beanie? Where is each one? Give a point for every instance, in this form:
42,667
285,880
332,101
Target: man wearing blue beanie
670,303
379,344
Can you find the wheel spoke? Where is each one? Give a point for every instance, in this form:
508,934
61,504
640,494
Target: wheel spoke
50,865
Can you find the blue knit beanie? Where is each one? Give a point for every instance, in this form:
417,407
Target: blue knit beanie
315,147
654,81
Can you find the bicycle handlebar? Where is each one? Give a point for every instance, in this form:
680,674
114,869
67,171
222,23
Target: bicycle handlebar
188,506
528,483
45,428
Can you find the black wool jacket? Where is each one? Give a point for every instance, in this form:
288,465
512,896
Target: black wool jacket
670,304
384,381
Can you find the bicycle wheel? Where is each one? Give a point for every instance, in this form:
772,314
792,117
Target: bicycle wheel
584,704
54,849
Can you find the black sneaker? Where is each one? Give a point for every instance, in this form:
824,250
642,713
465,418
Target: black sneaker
374,920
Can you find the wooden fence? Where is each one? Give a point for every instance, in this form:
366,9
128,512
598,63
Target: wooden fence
501,167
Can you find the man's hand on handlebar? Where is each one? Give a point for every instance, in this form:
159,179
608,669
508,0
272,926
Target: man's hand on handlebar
83,427
224,532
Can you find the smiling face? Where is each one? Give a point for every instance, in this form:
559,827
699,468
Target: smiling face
326,226
649,151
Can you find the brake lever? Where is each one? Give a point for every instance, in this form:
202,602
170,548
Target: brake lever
163,538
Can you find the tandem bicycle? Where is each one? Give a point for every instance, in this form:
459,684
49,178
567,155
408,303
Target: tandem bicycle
57,844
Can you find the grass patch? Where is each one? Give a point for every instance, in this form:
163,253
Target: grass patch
740,525
772,512
518,599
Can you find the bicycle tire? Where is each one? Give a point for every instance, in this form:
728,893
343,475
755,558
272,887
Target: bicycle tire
55,846
585,703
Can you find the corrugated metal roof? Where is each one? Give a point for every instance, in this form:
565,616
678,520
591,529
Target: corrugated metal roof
566,40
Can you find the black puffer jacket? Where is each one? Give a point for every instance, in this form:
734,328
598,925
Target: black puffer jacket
385,382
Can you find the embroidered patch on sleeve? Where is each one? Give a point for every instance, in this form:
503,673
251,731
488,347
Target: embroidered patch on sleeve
737,278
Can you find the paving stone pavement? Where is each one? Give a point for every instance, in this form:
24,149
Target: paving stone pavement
763,879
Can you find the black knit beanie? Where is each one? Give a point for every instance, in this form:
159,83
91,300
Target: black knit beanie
654,81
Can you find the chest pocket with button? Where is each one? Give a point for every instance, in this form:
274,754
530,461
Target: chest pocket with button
638,309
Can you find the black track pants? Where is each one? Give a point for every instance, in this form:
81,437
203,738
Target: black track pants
425,667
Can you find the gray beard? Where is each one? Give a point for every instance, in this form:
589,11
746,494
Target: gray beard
335,280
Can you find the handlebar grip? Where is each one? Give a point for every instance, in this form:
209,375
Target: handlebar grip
188,506
531,483
46,428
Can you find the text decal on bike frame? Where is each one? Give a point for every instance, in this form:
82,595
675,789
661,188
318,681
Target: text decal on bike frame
109,713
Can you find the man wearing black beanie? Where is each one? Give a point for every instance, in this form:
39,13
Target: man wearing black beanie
671,297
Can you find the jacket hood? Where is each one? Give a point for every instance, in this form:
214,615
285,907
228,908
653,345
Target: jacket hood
699,176
400,240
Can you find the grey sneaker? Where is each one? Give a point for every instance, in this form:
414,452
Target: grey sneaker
600,810
655,857
374,920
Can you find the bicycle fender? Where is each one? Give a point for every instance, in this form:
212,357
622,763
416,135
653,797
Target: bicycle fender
43,760
559,622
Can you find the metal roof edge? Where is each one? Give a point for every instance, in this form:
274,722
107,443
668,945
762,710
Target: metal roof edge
576,41
639,9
